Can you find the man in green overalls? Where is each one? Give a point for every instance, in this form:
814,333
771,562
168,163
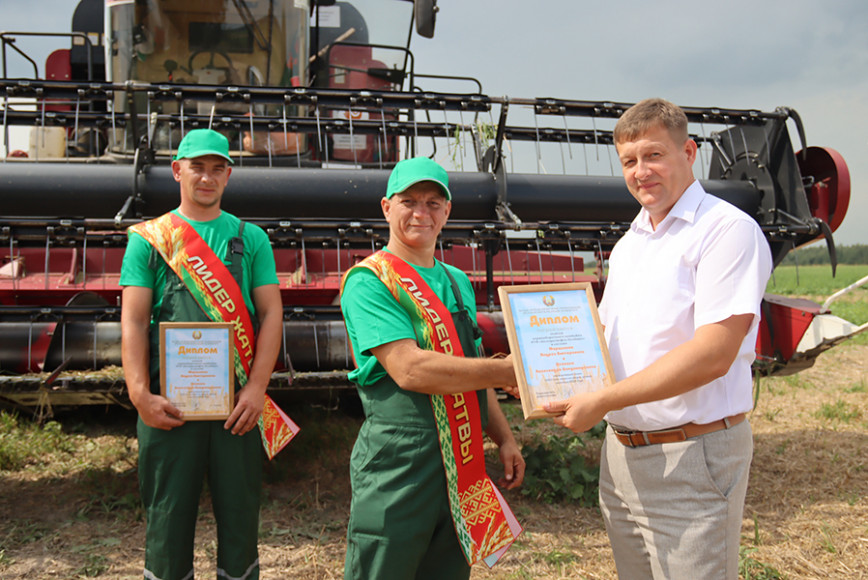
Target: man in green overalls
401,526
175,456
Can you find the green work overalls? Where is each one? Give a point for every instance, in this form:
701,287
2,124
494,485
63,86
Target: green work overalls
400,525
173,464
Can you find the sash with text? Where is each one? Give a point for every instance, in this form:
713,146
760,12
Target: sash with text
484,523
220,298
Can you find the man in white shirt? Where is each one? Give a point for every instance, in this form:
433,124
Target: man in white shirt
680,310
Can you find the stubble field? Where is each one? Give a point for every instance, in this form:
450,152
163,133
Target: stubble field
69,505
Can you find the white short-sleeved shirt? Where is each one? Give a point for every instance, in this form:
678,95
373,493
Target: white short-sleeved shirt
706,261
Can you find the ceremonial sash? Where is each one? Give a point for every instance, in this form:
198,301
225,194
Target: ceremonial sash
220,298
484,524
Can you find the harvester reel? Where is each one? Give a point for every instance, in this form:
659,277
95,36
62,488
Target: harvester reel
750,167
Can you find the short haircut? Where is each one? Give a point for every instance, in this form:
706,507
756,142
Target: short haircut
650,114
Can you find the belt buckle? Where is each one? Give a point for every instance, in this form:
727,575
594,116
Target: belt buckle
627,434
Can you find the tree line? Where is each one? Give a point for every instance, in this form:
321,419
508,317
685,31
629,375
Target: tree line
819,254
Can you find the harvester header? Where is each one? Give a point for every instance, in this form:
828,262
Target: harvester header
319,100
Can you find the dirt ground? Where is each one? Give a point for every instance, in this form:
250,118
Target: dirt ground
806,515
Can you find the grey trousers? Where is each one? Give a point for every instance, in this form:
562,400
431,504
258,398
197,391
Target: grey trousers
674,510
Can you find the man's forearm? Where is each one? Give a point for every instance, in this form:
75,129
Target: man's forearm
135,357
135,343
435,373
693,364
269,308
498,426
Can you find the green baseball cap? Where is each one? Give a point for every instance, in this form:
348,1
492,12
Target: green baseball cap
411,171
200,142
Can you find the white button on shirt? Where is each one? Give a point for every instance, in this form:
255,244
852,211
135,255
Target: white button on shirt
706,261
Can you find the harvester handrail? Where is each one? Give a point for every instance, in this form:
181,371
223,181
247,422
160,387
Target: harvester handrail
843,291
7,37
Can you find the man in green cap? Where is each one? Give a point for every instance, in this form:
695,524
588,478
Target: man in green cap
221,270
427,398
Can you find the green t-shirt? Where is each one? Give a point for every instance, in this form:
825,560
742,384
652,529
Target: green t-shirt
374,317
257,262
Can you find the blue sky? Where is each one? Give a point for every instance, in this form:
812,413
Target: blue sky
807,55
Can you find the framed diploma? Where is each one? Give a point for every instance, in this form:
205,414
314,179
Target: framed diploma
197,368
556,340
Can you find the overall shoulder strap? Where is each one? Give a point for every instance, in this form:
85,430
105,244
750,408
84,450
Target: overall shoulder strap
236,244
455,289
462,312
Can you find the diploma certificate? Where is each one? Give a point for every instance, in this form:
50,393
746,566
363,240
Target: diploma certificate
197,369
556,340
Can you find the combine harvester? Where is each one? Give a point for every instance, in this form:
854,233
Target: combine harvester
320,99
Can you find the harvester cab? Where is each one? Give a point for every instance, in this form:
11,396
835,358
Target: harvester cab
199,43
325,44
239,43
319,99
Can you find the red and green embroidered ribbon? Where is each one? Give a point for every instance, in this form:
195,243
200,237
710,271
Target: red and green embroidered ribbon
220,298
484,524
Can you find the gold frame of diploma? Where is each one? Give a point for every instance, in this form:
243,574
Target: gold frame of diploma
197,368
557,343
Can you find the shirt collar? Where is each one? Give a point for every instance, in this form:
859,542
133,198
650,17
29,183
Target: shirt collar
685,209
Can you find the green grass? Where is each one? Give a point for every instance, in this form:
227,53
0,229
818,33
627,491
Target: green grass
751,569
556,471
857,387
74,443
798,382
559,558
24,442
855,312
838,411
827,541
813,280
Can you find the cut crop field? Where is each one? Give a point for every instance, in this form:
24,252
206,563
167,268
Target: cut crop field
69,505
